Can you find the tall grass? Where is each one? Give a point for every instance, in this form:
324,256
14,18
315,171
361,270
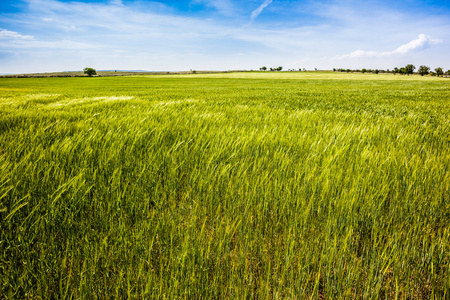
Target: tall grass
249,185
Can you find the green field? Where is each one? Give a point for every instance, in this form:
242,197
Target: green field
233,186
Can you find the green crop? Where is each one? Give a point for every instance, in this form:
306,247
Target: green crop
232,186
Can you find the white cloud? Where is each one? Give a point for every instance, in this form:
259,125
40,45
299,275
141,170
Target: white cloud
258,11
422,42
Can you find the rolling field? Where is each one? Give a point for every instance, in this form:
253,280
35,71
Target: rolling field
225,186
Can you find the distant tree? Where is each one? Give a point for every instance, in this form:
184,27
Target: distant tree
348,70
395,71
439,71
263,68
410,69
448,72
424,70
90,71
363,71
334,69
376,71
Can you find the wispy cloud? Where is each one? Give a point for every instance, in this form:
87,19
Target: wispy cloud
258,11
6,34
225,7
423,41
117,2
22,44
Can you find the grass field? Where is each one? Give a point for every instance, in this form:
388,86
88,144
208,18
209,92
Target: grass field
232,186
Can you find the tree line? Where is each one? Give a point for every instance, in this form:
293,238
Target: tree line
406,70
264,68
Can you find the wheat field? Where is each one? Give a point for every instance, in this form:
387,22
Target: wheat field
257,185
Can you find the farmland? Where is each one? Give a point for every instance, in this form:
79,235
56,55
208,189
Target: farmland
242,185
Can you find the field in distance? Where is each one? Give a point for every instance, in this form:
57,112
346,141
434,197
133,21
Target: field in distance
105,73
239,185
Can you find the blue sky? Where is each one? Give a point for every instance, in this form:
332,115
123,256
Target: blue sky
60,35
